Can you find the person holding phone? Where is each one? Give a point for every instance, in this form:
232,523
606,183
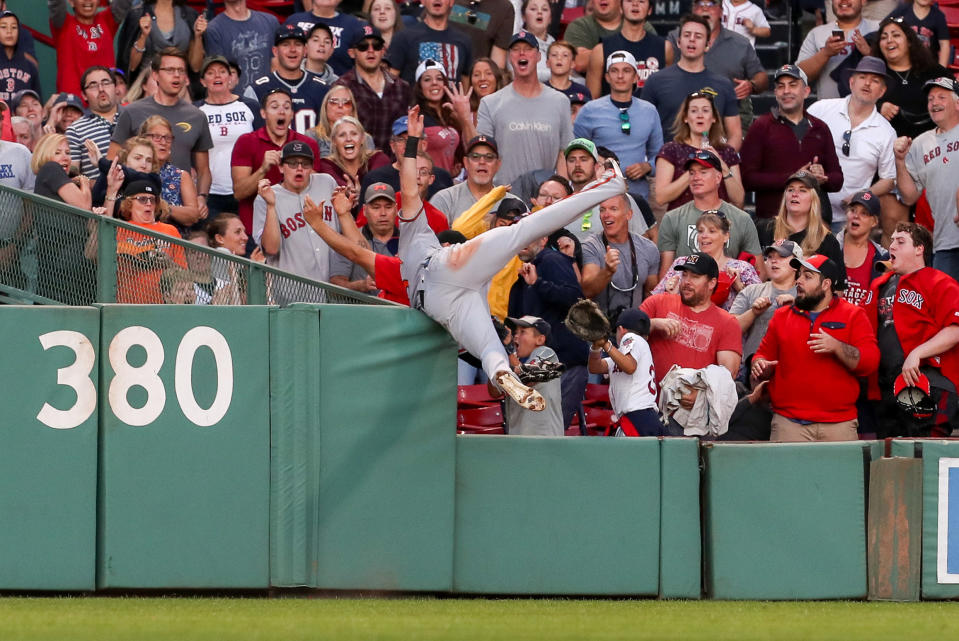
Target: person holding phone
826,46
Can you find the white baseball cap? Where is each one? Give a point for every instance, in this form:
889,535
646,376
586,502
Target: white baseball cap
620,56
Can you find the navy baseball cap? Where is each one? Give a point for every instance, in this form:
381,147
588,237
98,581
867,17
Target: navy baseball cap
273,92
523,36
868,200
793,72
700,263
950,84
289,32
635,320
481,139
512,209
368,31
323,26
535,322
141,186
70,100
296,149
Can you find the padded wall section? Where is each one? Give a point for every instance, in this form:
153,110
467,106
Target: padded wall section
895,529
48,462
557,515
184,475
940,519
363,476
785,521
902,447
680,561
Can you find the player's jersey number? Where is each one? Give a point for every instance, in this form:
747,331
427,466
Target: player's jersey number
77,376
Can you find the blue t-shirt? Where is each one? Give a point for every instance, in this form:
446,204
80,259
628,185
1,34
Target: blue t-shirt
666,90
930,29
307,94
248,42
345,30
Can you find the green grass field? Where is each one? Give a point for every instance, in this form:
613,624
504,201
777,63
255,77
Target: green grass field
289,619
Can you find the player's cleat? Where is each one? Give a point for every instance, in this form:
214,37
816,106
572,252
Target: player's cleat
524,396
540,372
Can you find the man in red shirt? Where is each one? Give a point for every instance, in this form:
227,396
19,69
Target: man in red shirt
687,329
256,155
813,354
917,311
84,38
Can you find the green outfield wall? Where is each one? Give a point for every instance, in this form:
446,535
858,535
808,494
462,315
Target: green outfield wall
314,446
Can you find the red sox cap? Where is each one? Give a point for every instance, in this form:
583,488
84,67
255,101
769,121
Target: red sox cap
915,400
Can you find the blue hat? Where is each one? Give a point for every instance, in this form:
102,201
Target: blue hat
400,125
635,320
367,31
288,32
524,36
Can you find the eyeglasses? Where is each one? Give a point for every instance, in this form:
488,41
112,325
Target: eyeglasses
160,137
145,200
624,121
173,71
298,164
103,84
547,196
363,46
845,141
341,102
476,157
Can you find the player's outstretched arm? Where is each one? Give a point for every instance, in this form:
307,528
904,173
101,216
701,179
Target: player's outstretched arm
342,245
412,205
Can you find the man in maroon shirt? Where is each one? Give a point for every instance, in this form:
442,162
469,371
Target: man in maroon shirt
782,142
256,155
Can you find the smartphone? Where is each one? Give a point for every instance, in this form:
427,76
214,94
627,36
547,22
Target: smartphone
838,33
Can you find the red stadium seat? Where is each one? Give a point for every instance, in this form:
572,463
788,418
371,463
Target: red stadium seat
480,429
491,415
596,395
475,394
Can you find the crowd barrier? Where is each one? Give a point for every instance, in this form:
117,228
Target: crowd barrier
314,445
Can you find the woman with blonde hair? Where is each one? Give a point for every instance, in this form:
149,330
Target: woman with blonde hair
800,220
697,126
137,159
178,189
337,102
349,160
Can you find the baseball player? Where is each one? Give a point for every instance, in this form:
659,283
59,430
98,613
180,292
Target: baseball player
449,283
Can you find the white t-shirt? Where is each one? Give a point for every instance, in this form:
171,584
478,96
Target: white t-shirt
636,391
227,123
870,149
735,14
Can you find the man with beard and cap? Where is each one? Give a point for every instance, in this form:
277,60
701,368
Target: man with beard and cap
813,354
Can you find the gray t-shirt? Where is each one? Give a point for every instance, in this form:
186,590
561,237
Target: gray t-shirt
191,130
549,422
754,335
825,86
249,42
530,132
14,172
454,200
647,262
677,231
302,251
933,163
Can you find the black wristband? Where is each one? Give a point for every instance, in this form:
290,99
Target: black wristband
412,147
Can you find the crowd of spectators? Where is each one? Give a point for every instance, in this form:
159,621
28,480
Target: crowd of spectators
808,254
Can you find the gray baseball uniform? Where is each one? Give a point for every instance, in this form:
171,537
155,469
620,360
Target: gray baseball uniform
449,283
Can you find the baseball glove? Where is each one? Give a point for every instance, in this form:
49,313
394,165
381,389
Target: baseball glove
587,321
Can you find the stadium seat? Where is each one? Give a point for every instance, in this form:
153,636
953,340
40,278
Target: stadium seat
491,415
475,395
596,395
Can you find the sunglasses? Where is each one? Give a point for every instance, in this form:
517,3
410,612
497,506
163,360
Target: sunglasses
475,156
624,121
145,200
706,93
714,212
297,164
365,45
341,102
845,141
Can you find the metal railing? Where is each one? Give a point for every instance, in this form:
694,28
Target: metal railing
52,253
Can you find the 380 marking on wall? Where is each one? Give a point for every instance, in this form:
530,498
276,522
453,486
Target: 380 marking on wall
146,376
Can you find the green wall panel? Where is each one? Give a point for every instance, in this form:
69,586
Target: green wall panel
363,485
557,515
48,462
785,521
184,474
902,447
931,452
680,561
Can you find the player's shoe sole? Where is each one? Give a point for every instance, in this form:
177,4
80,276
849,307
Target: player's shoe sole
524,396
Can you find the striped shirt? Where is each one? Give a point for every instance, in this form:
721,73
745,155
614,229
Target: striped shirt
90,126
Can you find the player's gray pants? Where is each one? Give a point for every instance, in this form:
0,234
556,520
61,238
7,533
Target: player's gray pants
458,276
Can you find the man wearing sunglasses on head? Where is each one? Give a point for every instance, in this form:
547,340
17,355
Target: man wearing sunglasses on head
380,96
305,88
